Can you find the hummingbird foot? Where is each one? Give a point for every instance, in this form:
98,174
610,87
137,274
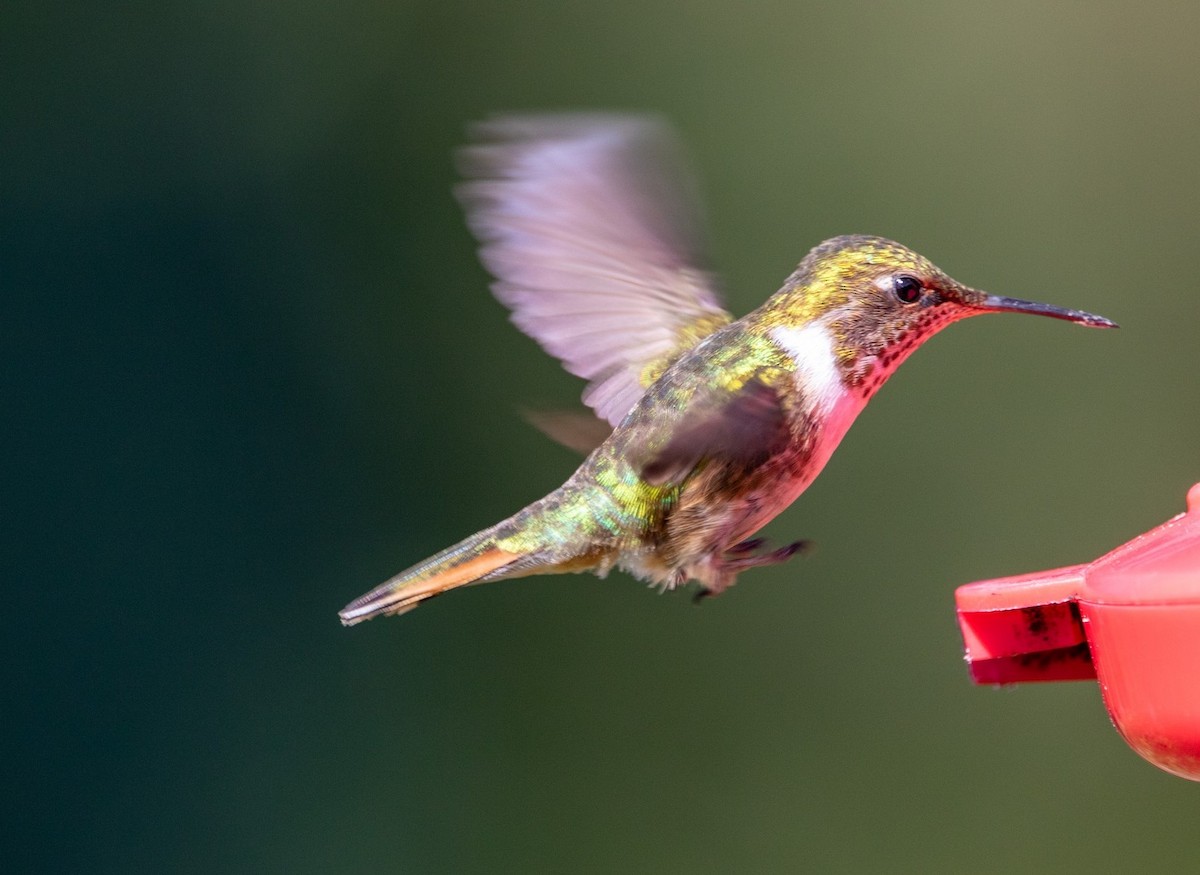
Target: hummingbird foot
742,555
748,546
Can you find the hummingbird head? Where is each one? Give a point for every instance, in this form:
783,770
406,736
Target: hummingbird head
879,301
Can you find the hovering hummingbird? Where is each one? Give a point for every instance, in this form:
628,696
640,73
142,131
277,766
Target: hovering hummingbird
590,228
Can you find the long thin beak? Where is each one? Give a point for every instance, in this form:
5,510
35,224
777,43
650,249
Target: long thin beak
999,304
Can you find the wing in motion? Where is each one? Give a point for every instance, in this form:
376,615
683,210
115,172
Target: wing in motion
742,429
591,229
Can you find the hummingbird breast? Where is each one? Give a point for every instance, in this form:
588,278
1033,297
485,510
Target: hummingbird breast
721,504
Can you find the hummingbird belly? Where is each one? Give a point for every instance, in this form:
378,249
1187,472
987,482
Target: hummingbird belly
716,513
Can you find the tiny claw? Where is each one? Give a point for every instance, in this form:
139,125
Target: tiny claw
701,595
785,553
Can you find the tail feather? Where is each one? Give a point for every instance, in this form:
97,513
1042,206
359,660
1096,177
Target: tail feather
464,563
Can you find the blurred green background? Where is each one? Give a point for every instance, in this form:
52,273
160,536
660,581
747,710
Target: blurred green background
253,368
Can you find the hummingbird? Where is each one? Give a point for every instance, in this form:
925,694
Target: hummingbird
591,229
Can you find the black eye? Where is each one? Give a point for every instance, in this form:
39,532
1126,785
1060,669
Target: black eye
907,288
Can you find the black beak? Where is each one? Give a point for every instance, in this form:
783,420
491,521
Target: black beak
999,304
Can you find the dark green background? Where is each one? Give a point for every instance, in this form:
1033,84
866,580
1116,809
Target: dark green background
252,368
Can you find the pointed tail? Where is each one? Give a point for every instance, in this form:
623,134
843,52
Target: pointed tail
464,563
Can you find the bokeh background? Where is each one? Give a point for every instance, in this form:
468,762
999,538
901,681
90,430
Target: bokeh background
253,368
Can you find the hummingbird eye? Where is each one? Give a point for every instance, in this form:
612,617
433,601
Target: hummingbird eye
907,288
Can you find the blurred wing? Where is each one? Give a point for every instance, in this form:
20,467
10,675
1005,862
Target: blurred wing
575,430
591,229
742,429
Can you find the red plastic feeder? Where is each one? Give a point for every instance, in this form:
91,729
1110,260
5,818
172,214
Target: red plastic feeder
1131,619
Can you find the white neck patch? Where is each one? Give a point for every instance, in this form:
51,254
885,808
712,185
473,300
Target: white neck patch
811,348
818,378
